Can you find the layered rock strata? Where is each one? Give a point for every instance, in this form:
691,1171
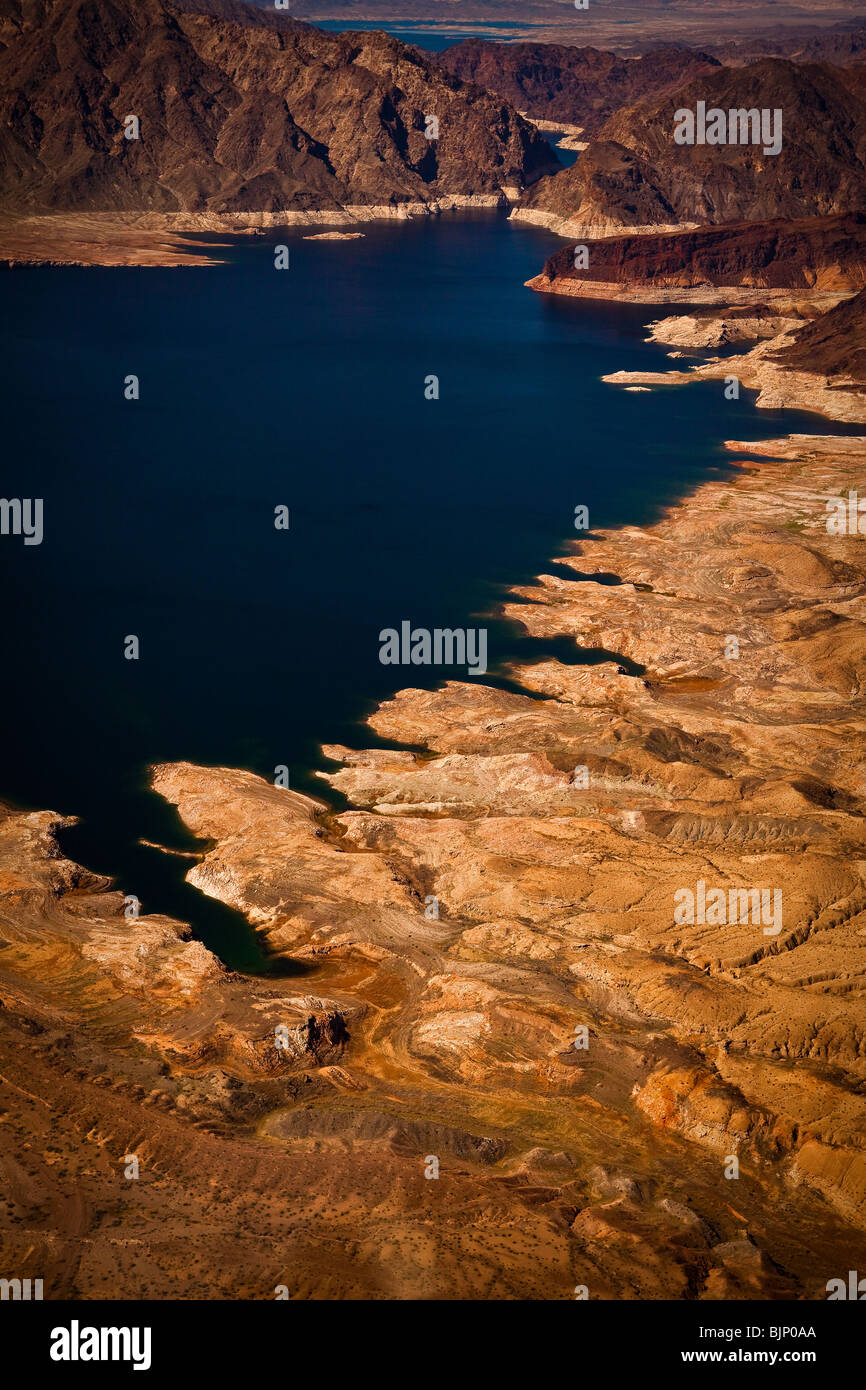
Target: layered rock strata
503,887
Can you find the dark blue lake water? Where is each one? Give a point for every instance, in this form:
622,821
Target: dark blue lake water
302,387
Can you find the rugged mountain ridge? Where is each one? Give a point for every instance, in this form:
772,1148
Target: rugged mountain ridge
580,86
635,177
834,344
844,43
264,115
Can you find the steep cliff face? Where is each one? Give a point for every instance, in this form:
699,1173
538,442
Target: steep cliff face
819,253
236,116
834,344
635,175
581,86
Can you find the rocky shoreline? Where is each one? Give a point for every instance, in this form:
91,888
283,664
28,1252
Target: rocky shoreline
480,908
800,323
595,225
571,136
780,386
727,296
568,994
163,239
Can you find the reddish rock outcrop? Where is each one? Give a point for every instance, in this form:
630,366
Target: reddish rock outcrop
825,253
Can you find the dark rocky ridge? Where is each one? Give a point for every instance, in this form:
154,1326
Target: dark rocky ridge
581,86
846,43
834,344
262,114
634,175
826,253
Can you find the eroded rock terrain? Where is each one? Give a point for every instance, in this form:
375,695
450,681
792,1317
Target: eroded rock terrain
571,993
564,82
231,118
635,178
817,365
496,982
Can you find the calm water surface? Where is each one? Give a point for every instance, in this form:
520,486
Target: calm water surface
302,387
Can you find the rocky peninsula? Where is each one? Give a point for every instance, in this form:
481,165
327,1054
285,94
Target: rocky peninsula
494,976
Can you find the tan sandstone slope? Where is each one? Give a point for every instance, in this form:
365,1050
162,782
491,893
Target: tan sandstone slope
552,830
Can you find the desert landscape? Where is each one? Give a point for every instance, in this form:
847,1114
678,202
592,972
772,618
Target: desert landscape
572,963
